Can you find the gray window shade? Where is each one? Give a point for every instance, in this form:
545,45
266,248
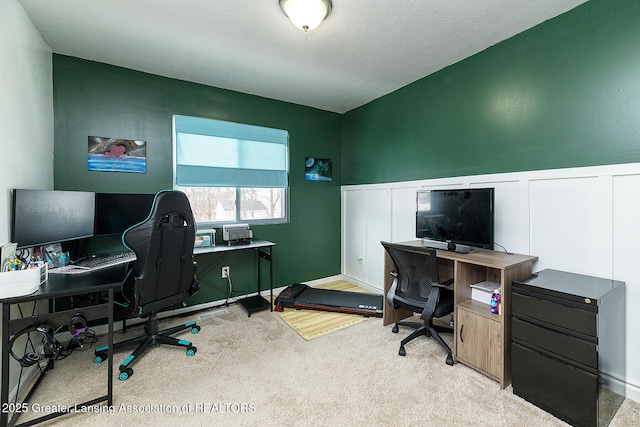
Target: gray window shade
214,153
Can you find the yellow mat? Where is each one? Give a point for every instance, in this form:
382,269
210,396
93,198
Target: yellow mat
310,324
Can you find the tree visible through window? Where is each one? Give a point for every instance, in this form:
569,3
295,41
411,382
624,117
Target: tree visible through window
231,172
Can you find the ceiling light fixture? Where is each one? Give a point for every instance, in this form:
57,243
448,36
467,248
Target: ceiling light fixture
306,14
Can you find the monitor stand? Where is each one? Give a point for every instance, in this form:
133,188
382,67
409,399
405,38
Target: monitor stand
436,245
461,249
449,246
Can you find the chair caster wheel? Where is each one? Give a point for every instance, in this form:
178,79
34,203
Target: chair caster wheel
100,357
126,374
191,351
402,351
449,360
195,329
395,329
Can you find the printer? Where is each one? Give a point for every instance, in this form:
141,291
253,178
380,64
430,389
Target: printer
236,233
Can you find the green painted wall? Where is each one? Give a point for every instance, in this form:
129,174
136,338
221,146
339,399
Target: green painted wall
565,93
101,100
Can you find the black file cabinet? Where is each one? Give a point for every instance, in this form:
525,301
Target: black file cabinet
568,345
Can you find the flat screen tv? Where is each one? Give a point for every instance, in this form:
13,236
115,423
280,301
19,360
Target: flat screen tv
458,217
41,217
115,212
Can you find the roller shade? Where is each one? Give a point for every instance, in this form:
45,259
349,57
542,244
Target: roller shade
215,153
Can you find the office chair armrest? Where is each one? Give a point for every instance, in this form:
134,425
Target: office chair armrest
392,289
447,283
438,285
430,308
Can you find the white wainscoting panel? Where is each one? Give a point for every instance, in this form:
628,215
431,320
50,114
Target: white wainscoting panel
354,239
378,228
403,215
583,220
626,260
564,223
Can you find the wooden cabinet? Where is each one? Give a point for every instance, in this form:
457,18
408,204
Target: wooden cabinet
481,339
478,339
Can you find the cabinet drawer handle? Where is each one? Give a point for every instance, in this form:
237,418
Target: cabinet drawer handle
461,328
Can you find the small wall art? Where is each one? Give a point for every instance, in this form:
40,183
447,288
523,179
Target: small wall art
117,155
316,169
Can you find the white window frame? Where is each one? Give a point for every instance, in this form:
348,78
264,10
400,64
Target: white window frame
209,224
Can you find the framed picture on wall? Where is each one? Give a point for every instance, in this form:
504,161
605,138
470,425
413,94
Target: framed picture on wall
116,155
316,169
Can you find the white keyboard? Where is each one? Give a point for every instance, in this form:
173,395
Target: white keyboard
94,263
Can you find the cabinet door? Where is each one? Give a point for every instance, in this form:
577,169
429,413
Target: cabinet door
479,343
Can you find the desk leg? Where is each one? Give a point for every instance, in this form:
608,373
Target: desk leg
4,415
271,278
269,258
258,254
258,302
110,350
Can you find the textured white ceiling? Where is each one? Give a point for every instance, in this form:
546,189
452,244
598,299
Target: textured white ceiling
363,50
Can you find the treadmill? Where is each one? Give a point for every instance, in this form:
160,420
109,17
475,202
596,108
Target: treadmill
301,296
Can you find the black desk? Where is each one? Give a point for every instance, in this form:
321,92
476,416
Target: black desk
58,286
257,302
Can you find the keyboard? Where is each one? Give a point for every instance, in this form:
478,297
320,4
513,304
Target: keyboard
95,262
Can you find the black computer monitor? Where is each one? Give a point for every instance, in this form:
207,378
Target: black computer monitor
459,216
115,212
41,217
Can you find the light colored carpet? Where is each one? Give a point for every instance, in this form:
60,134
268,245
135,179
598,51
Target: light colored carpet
256,371
310,324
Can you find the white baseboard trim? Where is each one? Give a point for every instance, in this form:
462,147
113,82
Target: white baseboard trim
633,392
117,326
28,377
102,329
324,280
361,284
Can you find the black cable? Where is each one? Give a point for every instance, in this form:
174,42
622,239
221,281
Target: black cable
503,248
90,338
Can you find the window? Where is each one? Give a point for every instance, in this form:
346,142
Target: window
231,172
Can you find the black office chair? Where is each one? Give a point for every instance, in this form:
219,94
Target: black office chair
416,288
163,274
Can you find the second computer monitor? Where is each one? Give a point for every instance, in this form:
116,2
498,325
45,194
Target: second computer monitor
115,212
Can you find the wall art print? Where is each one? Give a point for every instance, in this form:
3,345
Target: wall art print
316,169
117,155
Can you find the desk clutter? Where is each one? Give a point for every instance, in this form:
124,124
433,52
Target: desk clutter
487,292
205,238
20,275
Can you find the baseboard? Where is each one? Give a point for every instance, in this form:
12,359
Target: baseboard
633,392
117,326
361,284
324,280
29,376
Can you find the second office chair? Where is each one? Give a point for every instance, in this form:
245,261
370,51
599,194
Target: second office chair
416,287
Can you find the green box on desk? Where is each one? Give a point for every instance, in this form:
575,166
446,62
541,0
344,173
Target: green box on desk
205,238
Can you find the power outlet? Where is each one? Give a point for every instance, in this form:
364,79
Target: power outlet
225,272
